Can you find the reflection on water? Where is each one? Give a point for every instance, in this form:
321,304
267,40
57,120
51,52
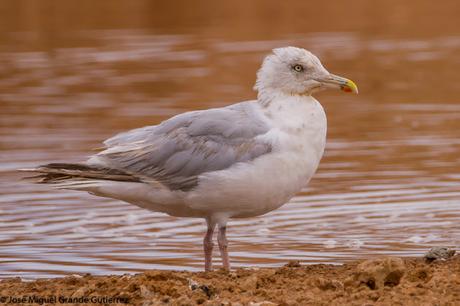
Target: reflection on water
387,185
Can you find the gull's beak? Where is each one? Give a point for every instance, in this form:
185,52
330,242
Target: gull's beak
336,81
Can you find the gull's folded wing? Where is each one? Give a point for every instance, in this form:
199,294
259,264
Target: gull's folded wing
178,150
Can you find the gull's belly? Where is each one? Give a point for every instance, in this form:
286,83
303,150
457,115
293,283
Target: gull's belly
255,188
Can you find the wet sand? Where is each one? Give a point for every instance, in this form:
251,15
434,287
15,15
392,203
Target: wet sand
383,281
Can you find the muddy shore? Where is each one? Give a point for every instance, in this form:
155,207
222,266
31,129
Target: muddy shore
383,281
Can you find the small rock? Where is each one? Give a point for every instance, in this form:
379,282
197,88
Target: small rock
328,284
293,264
193,285
82,291
207,290
441,253
250,283
378,273
263,303
145,292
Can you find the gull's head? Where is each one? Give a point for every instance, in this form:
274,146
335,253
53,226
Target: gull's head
296,71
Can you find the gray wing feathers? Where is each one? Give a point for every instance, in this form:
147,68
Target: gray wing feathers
178,150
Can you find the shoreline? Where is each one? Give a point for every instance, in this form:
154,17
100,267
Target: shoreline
382,281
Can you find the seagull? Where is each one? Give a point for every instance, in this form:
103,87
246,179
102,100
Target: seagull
237,161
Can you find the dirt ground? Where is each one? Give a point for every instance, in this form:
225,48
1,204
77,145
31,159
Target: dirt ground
384,281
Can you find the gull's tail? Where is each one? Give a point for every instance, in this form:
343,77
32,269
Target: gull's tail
100,181
77,176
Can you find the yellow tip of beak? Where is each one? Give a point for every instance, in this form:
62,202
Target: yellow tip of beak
350,86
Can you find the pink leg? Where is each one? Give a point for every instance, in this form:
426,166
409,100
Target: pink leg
222,240
208,244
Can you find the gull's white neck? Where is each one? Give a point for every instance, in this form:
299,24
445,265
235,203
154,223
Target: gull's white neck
292,111
300,117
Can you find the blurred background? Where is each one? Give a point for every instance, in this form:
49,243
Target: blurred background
73,73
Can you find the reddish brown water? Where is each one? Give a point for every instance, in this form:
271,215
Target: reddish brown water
73,75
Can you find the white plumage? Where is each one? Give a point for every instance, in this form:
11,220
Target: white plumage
238,161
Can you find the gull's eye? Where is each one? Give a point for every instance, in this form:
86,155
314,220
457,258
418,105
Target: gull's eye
298,68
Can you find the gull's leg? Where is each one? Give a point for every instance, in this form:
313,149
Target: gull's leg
222,240
208,244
